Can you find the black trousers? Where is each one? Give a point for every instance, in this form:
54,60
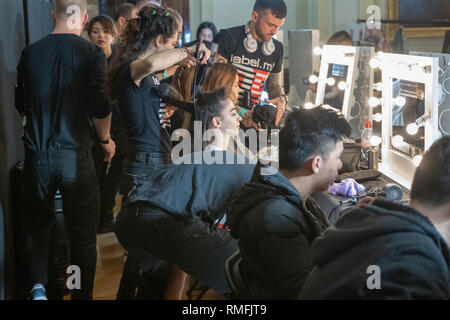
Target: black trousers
150,283
73,173
153,236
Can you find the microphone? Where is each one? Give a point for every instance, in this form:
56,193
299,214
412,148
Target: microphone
163,91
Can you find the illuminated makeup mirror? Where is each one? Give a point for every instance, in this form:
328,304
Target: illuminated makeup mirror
444,89
409,102
345,82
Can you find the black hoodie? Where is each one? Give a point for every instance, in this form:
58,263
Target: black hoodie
412,257
275,232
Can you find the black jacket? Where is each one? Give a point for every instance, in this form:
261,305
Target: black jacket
412,257
275,232
193,188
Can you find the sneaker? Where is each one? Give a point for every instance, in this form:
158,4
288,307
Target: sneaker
38,292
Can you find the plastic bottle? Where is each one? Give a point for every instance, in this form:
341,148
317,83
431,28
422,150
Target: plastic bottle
365,141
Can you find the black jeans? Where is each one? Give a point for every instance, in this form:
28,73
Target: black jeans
198,248
73,173
136,165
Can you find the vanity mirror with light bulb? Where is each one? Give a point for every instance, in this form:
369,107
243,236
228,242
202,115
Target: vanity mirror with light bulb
444,90
345,82
410,99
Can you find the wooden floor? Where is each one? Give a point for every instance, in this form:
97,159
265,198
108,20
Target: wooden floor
110,262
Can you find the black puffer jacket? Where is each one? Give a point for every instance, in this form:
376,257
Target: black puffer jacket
188,189
275,232
413,259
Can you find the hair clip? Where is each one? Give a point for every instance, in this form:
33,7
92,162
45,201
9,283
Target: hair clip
154,13
167,14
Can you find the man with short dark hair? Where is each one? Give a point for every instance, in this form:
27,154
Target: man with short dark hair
142,3
388,250
124,13
274,217
60,81
257,56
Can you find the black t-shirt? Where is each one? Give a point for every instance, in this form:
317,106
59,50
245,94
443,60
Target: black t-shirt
253,68
60,87
142,112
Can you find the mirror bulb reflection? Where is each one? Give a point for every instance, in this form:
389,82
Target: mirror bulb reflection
342,85
308,105
398,141
400,101
378,117
331,82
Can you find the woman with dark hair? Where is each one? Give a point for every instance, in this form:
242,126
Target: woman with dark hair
206,31
148,46
164,225
102,32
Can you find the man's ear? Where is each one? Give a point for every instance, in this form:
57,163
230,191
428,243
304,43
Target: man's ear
121,21
315,164
216,122
85,19
54,15
254,16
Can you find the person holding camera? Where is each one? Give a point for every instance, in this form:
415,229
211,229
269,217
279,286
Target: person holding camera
258,57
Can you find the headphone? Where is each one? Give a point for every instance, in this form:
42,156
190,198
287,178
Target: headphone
251,45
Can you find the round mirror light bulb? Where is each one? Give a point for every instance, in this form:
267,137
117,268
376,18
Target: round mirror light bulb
342,85
317,51
379,86
374,101
313,79
331,82
400,101
412,129
378,117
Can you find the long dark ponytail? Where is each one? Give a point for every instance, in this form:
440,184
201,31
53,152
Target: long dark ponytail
152,21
